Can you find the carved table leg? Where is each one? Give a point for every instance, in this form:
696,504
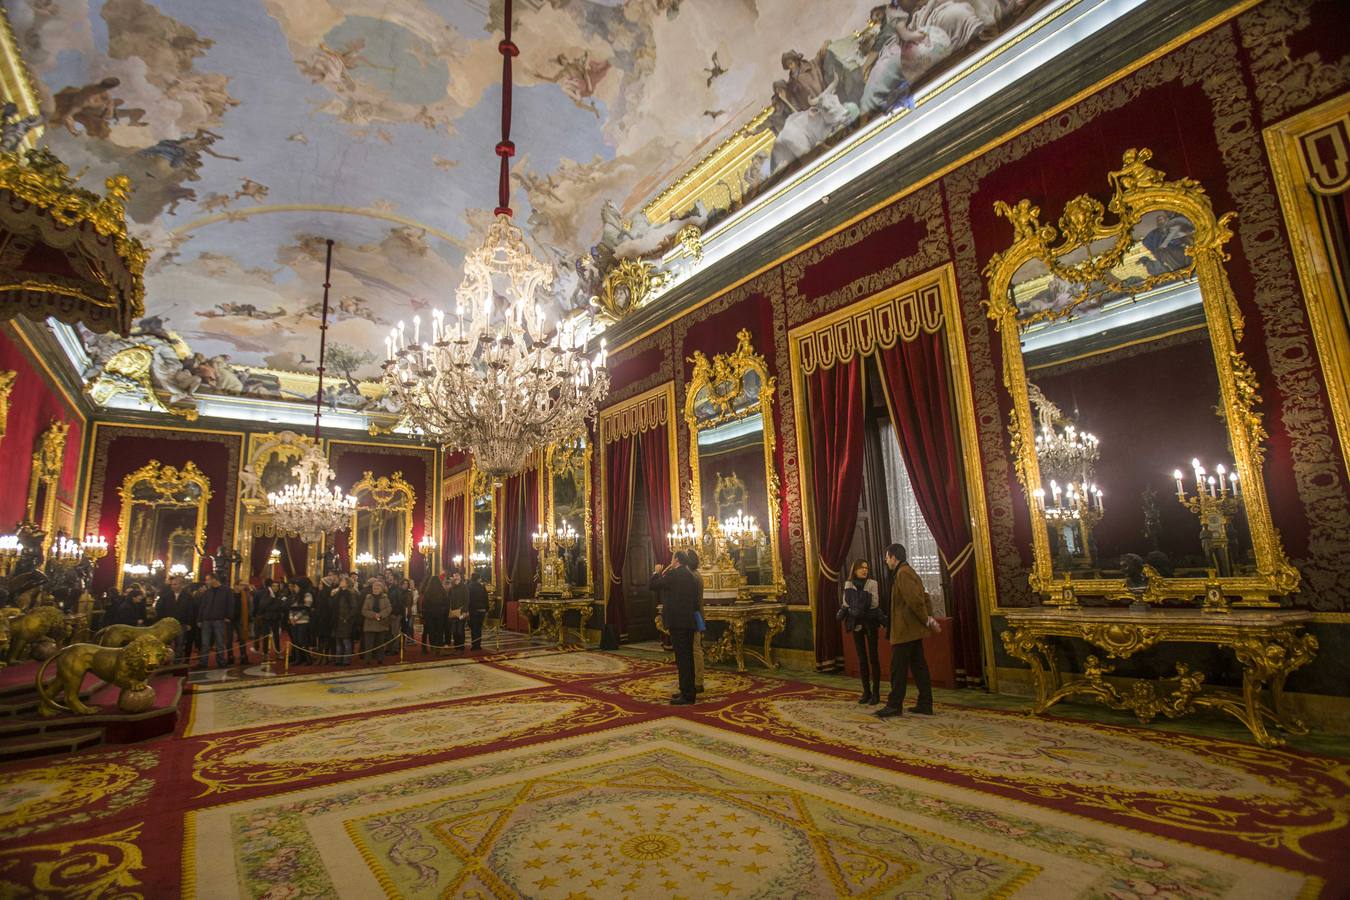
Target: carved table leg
773,626
1030,649
738,642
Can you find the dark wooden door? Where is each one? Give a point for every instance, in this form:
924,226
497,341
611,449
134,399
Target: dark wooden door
640,604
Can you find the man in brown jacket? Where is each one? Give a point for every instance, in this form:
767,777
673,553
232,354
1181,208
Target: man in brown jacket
911,621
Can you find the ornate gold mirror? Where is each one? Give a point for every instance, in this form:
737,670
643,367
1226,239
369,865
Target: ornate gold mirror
733,480
1134,422
49,458
382,522
482,538
163,517
567,502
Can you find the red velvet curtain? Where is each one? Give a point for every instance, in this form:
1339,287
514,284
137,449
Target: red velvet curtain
452,529
653,454
619,467
916,379
520,518
294,557
835,404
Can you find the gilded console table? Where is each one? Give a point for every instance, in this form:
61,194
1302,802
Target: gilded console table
552,610
1268,644
732,641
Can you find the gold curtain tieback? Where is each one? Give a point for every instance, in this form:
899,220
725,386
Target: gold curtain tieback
959,563
832,574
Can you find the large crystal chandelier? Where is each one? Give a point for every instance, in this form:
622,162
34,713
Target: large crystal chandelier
499,379
309,507
1064,453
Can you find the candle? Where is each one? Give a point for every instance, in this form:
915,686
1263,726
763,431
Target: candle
1232,477
417,329
1181,490
1211,486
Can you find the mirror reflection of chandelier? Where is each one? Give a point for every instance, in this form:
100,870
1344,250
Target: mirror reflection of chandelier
499,379
1065,454
309,507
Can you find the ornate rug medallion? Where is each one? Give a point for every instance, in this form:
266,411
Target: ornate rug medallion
73,791
334,695
718,687
577,663
286,755
1224,789
672,807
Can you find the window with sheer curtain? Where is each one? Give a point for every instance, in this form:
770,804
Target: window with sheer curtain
907,523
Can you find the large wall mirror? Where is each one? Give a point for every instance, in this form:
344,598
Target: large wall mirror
163,518
729,412
482,524
382,524
49,458
1134,424
567,501
271,459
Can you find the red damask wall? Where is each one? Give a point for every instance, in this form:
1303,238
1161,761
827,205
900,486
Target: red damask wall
120,450
34,404
1201,109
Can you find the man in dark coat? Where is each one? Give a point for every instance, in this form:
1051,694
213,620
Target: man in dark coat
268,612
214,615
478,610
459,611
435,609
172,601
681,594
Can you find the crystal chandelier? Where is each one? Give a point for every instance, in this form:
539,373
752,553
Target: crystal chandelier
498,379
309,507
1065,454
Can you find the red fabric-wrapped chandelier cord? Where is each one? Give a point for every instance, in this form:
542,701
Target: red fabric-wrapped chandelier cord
506,149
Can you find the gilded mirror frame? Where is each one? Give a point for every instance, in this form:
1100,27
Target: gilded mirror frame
732,368
1137,190
49,458
385,492
253,514
480,485
562,457
164,480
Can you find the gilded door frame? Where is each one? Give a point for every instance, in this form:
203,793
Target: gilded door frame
608,420
845,323
1294,185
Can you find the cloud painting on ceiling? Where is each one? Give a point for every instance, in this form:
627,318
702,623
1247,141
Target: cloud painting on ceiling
254,129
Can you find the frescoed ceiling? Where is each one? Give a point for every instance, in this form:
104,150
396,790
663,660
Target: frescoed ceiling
253,130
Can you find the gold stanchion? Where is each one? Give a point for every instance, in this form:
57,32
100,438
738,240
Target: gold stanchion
402,641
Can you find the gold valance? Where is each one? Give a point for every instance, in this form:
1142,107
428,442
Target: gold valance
1326,153
644,412
899,314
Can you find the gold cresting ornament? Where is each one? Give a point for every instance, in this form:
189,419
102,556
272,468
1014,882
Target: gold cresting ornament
6,386
39,177
628,286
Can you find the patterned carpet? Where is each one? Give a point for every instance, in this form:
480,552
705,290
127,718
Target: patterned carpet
559,775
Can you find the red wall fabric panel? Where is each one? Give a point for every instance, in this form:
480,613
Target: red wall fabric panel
34,403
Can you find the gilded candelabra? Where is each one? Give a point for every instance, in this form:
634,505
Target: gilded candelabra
427,548
1216,501
1071,515
552,569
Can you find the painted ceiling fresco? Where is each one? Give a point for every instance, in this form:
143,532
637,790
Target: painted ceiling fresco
255,129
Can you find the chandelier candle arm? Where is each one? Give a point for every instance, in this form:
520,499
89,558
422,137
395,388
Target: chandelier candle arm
498,379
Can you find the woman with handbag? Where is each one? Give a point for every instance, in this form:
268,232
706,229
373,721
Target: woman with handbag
862,617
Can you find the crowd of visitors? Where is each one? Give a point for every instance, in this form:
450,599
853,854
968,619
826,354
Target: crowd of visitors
344,617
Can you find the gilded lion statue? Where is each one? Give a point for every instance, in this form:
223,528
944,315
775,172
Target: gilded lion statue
166,630
27,629
127,667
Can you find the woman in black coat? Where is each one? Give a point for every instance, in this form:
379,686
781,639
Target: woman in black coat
861,614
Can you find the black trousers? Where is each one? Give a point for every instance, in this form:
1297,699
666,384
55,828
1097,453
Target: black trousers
457,632
476,618
905,658
682,639
433,629
869,662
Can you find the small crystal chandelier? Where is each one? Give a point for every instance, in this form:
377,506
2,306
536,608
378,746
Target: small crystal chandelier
1065,454
499,379
309,507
